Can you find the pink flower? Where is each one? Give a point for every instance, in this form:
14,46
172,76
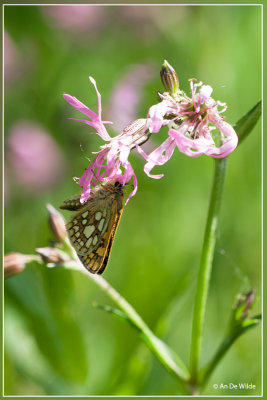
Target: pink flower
11,59
125,98
107,166
191,122
76,18
35,158
111,161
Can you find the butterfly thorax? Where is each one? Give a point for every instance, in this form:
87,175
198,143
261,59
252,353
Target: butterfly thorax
101,191
106,189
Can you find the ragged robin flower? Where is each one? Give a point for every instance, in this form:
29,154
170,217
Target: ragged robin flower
192,122
111,161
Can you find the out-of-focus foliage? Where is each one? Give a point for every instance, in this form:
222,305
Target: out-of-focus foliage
56,343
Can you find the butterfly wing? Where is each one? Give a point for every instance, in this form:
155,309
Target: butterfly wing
92,229
87,226
93,226
97,260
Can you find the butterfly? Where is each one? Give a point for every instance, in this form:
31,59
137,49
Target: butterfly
93,226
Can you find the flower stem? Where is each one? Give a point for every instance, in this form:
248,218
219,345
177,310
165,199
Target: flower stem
224,347
166,356
205,268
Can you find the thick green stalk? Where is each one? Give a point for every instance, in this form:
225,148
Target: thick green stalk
205,268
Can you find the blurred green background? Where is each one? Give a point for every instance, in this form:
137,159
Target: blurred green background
56,342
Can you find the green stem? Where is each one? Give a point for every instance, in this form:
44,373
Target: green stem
205,268
169,359
223,348
225,345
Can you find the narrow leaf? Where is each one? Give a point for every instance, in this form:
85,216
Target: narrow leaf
246,124
160,348
164,352
115,311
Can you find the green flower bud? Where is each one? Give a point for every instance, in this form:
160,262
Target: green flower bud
169,78
244,304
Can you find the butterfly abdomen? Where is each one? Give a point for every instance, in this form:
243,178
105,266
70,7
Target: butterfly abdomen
72,203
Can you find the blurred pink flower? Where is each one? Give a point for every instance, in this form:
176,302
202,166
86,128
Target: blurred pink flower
141,20
33,155
18,64
11,59
76,18
125,98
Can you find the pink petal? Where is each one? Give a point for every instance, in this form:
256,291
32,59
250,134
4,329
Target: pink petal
98,96
134,189
128,174
99,127
85,121
204,93
111,158
229,143
156,114
157,157
149,165
88,176
190,147
74,102
124,153
96,118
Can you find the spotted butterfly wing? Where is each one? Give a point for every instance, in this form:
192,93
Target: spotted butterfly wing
93,225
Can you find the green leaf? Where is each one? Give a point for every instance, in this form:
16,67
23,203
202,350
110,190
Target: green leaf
115,311
251,322
165,353
246,124
47,309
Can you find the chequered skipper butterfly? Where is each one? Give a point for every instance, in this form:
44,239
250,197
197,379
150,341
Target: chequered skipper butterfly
93,225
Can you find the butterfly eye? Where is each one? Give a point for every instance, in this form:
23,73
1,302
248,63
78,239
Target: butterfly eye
118,184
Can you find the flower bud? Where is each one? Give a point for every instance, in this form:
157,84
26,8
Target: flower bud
244,304
14,263
240,318
169,78
57,223
52,255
